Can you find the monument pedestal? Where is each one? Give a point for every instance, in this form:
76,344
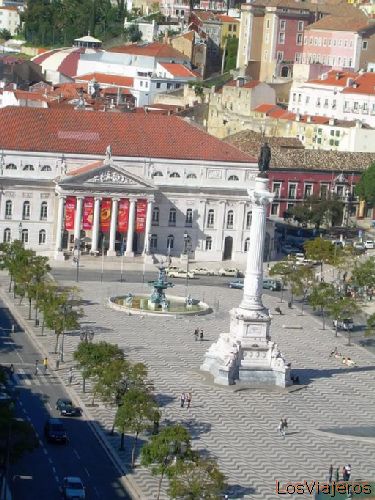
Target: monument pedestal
247,353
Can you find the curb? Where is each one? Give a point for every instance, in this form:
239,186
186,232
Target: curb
128,484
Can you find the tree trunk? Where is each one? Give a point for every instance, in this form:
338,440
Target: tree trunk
122,441
43,326
282,292
83,384
159,486
112,431
29,307
324,319
336,327
57,342
10,284
349,337
134,448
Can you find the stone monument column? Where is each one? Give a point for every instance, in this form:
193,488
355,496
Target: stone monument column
59,254
95,226
112,234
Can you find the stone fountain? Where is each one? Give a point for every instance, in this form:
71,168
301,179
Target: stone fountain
158,299
247,354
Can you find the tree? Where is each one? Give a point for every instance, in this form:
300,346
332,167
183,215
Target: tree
317,211
301,280
5,34
135,414
321,250
363,273
341,308
171,446
365,188
370,326
196,479
321,295
231,54
133,33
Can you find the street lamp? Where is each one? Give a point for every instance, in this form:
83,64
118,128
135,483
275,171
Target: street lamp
186,252
86,334
103,245
76,259
65,309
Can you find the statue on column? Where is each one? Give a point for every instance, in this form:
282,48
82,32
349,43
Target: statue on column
108,152
264,159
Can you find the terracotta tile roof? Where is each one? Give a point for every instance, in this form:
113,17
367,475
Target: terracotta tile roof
104,78
44,55
178,70
155,49
227,19
114,90
354,20
277,113
69,64
9,8
190,35
66,130
363,84
29,96
86,168
266,108
248,85
335,78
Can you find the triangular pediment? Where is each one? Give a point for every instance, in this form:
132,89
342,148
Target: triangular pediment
107,175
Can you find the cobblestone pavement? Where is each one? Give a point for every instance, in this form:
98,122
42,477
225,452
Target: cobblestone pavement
240,427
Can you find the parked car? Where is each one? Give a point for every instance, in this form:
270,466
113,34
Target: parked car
172,268
271,284
344,324
229,271
236,284
359,247
55,431
73,488
203,271
67,409
289,250
369,244
181,273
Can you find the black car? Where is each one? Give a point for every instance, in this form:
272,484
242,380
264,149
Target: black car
55,431
67,409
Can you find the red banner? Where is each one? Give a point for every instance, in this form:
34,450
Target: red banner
140,220
88,213
123,216
105,215
70,208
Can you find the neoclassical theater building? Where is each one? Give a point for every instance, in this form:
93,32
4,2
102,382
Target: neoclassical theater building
121,182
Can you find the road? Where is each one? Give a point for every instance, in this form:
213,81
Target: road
38,475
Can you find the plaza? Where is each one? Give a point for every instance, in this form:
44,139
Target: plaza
234,424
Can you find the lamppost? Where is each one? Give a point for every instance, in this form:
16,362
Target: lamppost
186,252
122,251
76,259
86,334
103,246
65,309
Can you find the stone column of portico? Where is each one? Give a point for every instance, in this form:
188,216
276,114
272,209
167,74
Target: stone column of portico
130,234
253,284
146,248
77,219
95,226
112,232
59,228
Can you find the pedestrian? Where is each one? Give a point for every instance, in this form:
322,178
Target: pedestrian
37,367
337,474
13,327
182,399
285,425
70,375
348,471
279,311
45,365
290,304
196,334
344,477
201,336
281,428
188,399
11,369
330,473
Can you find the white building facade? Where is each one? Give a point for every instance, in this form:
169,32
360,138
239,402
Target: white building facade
137,204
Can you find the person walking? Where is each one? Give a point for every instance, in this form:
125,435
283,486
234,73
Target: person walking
70,375
348,471
182,399
281,428
201,336
196,334
337,474
330,473
11,369
188,399
285,425
45,365
279,311
36,367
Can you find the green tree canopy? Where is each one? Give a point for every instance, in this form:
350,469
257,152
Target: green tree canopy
319,211
340,308
363,273
365,188
320,297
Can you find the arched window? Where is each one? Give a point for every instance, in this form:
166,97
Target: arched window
25,236
233,178
230,218
155,216
189,217
6,235
46,168
11,166
170,242
248,220
174,174
191,176
153,242
26,210
8,209
158,174
246,245
43,210
211,218
28,167
208,243
172,217
42,237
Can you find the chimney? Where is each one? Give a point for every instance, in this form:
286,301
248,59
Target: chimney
332,121
298,117
350,82
337,76
240,82
358,124
308,119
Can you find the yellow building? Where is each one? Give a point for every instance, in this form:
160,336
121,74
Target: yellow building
230,27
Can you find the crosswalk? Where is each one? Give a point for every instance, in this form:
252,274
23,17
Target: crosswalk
23,378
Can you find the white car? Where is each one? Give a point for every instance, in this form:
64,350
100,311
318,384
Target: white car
181,273
203,271
73,488
369,244
229,272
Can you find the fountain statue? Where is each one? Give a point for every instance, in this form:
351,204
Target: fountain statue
157,299
247,353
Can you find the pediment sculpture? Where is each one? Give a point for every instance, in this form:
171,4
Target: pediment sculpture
111,177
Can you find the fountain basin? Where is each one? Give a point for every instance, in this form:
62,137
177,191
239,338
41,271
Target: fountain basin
140,305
